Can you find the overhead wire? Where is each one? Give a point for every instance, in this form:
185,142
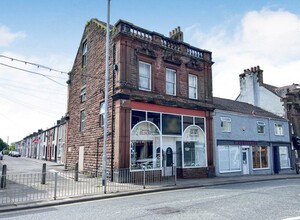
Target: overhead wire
33,64
36,73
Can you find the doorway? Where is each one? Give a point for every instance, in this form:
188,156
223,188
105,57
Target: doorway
276,160
81,158
245,153
168,160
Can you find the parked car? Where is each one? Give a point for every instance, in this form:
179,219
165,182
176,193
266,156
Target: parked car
1,156
15,154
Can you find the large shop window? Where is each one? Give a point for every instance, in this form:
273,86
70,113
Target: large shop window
284,157
260,157
194,149
145,146
229,158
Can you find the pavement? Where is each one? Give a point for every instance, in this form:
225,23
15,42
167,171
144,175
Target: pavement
181,184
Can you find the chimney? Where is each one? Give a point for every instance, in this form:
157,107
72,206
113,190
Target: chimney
176,34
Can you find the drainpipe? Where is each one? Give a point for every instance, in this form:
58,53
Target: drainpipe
113,113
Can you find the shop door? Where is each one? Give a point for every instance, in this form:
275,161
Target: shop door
245,153
168,161
276,160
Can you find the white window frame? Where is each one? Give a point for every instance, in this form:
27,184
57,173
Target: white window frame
146,76
102,114
261,124
228,148
278,129
193,86
82,120
226,120
173,83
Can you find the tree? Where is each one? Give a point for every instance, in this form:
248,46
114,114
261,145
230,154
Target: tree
12,146
3,145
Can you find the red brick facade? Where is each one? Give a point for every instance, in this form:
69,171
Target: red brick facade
129,45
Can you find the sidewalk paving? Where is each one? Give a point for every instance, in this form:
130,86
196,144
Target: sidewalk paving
181,184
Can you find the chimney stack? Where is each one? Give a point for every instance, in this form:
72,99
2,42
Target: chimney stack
176,34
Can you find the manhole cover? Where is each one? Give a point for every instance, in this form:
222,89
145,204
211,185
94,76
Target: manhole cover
164,210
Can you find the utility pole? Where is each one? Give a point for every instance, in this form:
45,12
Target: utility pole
104,160
7,140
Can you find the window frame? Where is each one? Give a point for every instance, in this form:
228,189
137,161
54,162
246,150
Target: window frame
102,114
82,120
260,157
260,124
84,54
225,120
278,132
149,77
288,159
83,95
194,86
228,149
168,70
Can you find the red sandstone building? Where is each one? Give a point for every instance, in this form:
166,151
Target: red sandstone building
160,102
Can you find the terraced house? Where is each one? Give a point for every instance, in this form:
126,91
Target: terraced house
160,102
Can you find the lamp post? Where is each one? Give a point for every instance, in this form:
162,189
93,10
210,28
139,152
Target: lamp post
104,157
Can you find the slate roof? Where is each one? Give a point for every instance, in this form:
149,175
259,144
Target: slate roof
242,108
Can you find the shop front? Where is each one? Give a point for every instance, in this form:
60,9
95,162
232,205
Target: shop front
168,139
251,157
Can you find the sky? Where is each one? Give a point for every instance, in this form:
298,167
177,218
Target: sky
240,35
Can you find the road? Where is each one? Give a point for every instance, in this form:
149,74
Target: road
277,199
26,165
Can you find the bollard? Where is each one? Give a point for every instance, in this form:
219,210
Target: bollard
3,176
76,172
55,185
43,181
175,175
144,177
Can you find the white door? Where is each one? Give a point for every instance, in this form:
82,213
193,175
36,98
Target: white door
81,158
168,160
245,161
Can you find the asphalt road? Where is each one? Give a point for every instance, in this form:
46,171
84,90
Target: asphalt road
25,165
277,199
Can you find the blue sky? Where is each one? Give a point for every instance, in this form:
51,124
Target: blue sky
240,34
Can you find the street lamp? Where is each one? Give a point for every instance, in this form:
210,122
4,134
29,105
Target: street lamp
104,160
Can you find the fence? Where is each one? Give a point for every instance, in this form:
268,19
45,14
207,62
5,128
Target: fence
24,188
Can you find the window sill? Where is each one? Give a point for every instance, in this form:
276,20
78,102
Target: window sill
231,171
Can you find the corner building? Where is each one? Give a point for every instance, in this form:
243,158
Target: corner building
160,102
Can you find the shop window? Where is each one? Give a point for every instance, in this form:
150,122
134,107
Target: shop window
193,86
284,157
144,76
260,157
170,82
187,121
145,146
226,124
171,124
229,158
154,117
279,129
260,127
136,117
200,123
194,150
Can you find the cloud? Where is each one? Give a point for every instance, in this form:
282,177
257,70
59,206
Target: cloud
7,37
268,38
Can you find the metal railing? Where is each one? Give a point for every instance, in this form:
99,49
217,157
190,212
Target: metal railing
32,187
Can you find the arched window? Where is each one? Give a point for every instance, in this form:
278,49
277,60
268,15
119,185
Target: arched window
194,147
145,145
